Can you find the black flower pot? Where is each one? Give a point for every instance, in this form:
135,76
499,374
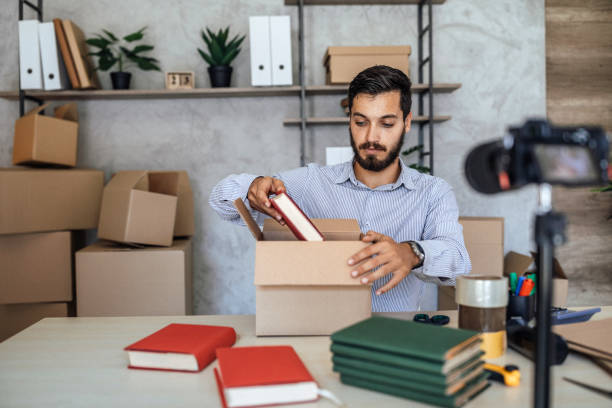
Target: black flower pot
121,80
220,76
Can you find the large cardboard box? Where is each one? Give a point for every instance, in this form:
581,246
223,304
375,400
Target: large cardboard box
15,318
112,280
305,288
520,263
36,200
41,139
36,267
484,241
139,207
344,63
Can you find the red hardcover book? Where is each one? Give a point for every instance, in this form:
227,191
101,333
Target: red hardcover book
262,375
296,220
180,347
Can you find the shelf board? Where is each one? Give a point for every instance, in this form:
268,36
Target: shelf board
416,88
157,93
356,2
345,120
205,92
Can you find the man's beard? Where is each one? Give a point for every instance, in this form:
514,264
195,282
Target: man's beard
370,162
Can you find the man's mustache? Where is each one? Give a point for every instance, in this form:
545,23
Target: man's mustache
368,145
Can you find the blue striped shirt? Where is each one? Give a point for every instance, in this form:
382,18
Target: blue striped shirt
417,207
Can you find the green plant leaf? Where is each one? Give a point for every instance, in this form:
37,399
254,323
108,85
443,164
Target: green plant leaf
142,48
206,57
138,35
216,53
235,42
98,42
111,36
211,35
412,150
206,39
227,60
422,169
107,60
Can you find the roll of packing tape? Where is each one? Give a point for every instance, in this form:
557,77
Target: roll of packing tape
482,304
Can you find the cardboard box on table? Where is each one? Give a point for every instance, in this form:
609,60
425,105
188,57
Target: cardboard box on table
344,63
112,280
484,241
41,139
17,317
146,207
37,200
305,288
36,267
519,263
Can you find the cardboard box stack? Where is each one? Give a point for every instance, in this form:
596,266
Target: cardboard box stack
297,283
124,277
41,212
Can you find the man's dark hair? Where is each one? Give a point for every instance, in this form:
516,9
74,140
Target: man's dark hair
380,79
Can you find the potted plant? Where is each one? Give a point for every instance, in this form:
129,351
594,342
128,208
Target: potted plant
220,55
114,51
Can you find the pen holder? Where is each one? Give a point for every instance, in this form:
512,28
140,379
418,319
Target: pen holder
523,306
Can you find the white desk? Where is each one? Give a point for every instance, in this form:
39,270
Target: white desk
80,362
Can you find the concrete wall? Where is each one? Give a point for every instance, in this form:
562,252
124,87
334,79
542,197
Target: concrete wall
495,49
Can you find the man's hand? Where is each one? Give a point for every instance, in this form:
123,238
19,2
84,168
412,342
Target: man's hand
259,191
391,257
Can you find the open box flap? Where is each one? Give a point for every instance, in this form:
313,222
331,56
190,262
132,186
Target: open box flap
68,111
37,109
515,262
248,219
558,271
128,180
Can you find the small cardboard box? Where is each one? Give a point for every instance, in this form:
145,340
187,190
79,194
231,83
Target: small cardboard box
117,281
15,318
36,200
519,263
36,267
344,63
484,241
139,207
41,139
184,222
305,288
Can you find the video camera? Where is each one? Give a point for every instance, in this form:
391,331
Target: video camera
538,152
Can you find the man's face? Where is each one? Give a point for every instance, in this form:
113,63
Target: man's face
377,129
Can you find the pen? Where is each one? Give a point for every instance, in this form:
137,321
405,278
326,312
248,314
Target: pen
513,280
526,288
518,285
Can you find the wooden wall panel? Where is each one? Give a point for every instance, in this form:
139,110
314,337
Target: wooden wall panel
579,91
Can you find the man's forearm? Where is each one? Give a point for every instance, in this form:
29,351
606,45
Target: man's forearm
445,259
223,194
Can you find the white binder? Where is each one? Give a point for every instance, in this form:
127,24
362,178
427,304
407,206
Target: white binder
54,72
280,49
29,55
259,37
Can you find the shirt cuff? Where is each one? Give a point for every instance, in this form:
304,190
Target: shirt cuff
428,271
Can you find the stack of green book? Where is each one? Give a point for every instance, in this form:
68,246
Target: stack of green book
433,364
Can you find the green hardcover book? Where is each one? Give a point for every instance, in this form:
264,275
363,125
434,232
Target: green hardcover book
417,386
447,346
460,375
470,391
403,361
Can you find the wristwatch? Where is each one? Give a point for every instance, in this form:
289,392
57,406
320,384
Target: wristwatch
418,251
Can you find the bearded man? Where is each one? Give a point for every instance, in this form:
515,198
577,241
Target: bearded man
410,218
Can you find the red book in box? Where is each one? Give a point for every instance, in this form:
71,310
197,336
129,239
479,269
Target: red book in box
180,347
296,220
263,375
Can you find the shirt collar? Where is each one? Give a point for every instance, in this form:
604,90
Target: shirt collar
348,173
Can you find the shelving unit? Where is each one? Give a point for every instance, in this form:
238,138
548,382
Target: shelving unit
422,89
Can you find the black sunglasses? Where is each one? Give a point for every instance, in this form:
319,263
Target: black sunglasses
438,320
